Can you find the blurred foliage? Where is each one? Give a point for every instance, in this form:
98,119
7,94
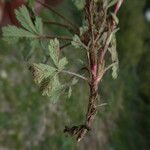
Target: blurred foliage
30,121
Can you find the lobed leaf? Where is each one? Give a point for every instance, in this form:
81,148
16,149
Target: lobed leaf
24,18
31,3
39,25
47,78
50,86
69,92
74,81
114,57
46,87
41,71
112,3
55,94
115,18
56,90
13,31
80,4
29,48
54,50
76,42
62,63
115,70
83,29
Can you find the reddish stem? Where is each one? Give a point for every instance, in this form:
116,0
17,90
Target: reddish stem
94,70
117,7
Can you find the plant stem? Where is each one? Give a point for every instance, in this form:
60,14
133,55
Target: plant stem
111,29
103,104
117,7
81,130
65,45
53,36
68,27
110,66
96,65
75,74
91,112
58,14
62,47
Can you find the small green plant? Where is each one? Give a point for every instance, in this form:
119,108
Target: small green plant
96,37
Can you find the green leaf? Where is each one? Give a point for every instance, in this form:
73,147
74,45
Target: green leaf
74,81
39,25
46,86
50,85
34,44
54,50
47,78
115,18
11,40
13,31
80,4
29,30
112,3
69,92
62,63
76,42
103,38
57,89
54,96
41,71
56,84
24,18
113,49
114,57
83,29
115,70
29,48
31,3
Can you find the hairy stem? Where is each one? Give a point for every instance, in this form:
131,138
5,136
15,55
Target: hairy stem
81,130
96,61
91,112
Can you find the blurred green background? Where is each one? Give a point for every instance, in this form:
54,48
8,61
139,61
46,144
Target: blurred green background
29,121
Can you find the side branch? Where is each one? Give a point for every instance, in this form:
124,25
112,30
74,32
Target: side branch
52,37
75,74
67,27
58,14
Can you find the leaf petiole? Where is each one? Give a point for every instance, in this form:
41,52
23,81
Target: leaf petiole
75,74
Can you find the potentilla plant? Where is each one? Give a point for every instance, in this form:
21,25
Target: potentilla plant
96,36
